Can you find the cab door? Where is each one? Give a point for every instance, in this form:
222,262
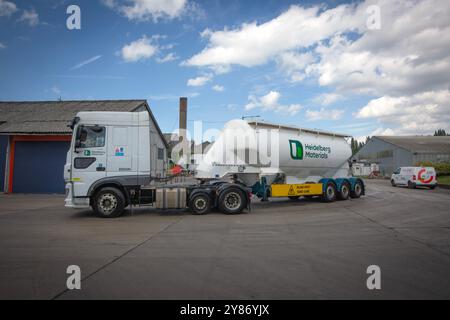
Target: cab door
88,158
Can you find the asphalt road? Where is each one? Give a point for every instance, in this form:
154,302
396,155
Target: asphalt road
280,250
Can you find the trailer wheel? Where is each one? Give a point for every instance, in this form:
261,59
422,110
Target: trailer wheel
357,190
109,202
330,192
232,201
200,203
344,193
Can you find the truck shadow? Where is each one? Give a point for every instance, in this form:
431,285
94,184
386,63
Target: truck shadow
130,213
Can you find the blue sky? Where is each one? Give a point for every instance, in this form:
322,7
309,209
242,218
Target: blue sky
315,64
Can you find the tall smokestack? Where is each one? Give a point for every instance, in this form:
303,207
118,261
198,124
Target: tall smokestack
183,116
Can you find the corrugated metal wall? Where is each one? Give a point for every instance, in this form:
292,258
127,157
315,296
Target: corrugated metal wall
3,148
39,166
388,156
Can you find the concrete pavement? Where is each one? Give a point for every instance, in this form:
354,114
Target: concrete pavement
280,250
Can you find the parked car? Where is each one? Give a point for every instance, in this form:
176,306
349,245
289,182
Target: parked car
414,177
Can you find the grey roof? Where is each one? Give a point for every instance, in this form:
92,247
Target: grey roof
291,127
52,117
419,144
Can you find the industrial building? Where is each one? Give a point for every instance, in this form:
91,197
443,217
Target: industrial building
35,137
391,152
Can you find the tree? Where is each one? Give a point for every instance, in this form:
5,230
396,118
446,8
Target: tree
440,132
356,146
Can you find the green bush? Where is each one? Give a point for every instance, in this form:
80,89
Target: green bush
442,168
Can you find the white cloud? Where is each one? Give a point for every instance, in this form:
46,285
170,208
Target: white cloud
2,46
270,102
7,8
167,58
148,9
140,49
55,90
408,56
295,64
218,88
326,99
199,81
254,44
31,17
85,62
324,114
420,113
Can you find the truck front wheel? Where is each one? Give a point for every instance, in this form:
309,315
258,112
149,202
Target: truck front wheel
200,203
232,201
109,202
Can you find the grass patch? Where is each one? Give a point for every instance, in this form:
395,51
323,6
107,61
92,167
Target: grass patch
443,180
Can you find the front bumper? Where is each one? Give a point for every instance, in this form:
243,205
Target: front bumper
76,203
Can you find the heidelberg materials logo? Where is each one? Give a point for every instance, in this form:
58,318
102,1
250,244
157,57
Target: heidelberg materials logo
296,149
312,151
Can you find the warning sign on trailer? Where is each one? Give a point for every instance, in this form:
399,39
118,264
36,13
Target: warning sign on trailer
293,190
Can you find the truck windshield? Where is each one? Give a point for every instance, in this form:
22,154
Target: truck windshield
92,137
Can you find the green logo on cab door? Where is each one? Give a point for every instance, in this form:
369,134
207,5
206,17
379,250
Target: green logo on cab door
296,149
87,153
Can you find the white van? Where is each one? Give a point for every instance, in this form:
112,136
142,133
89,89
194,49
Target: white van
414,176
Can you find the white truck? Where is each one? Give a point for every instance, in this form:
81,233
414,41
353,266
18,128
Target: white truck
116,160
413,177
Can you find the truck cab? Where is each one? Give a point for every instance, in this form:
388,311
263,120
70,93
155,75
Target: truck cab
112,151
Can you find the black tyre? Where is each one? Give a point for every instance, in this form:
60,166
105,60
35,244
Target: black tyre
344,193
357,190
294,197
232,201
200,203
393,183
109,202
432,187
411,185
329,194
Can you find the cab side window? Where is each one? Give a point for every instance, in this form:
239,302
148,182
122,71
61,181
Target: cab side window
92,137
397,171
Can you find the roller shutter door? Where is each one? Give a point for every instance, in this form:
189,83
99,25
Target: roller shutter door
3,148
39,166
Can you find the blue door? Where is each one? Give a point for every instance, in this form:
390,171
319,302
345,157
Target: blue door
3,148
39,166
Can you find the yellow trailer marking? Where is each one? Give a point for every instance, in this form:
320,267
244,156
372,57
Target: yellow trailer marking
285,190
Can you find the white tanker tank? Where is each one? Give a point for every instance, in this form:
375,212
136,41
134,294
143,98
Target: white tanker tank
255,149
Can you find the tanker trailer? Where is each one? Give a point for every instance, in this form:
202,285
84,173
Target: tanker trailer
282,161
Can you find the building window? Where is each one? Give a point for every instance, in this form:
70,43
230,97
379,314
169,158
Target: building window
160,154
92,137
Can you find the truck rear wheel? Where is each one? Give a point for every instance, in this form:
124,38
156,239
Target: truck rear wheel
200,203
109,202
232,201
344,193
357,190
329,194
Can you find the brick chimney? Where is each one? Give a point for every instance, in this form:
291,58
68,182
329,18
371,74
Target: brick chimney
183,117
